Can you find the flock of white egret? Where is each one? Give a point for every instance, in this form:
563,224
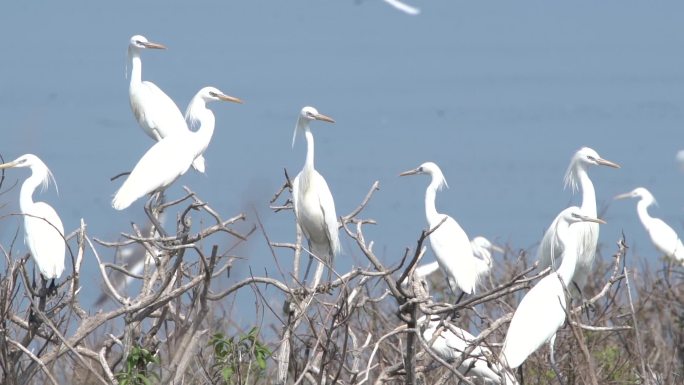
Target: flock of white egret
569,244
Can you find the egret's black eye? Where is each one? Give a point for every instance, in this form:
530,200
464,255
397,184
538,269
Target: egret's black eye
420,168
213,94
591,157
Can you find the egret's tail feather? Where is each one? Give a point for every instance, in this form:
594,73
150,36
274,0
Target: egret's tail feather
324,253
122,199
198,164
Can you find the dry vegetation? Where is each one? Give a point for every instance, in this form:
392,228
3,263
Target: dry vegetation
360,328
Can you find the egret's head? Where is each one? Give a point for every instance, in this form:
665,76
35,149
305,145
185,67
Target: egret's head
584,157
308,114
38,168
212,94
639,192
431,169
570,215
140,41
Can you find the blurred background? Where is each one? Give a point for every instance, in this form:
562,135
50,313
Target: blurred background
499,94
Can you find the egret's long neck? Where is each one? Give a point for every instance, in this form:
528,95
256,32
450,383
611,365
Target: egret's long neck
430,194
570,255
198,111
309,163
588,193
642,211
485,264
136,65
27,189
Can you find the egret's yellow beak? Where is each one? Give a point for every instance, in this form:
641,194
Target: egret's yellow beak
229,98
324,118
152,45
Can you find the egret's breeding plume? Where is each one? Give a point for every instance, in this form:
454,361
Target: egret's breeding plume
43,230
550,249
542,311
482,250
449,242
155,112
451,343
314,206
664,238
171,157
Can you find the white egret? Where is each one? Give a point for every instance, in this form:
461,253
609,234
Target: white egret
171,157
542,311
664,238
155,111
43,229
403,7
449,242
576,176
132,257
451,344
314,206
482,250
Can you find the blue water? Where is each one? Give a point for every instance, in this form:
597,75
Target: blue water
500,95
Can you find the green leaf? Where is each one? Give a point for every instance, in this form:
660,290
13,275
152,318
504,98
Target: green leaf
227,373
142,379
261,362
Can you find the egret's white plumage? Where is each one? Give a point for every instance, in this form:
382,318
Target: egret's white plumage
43,229
449,242
314,206
133,258
576,176
680,159
541,312
664,238
452,342
482,250
171,157
155,111
408,9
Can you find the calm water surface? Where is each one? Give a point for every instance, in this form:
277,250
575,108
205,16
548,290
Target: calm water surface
498,94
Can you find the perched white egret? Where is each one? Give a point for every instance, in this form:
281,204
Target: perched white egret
664,238
314,206
576,176
171,157
155,111
542,311
133,258
43,230
452,342
449,242
482,250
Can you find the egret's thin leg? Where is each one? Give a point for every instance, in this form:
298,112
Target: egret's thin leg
460,297
308,268
52,289
449,286
43,286
42,294
330,270
553,360
153,219
33,279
